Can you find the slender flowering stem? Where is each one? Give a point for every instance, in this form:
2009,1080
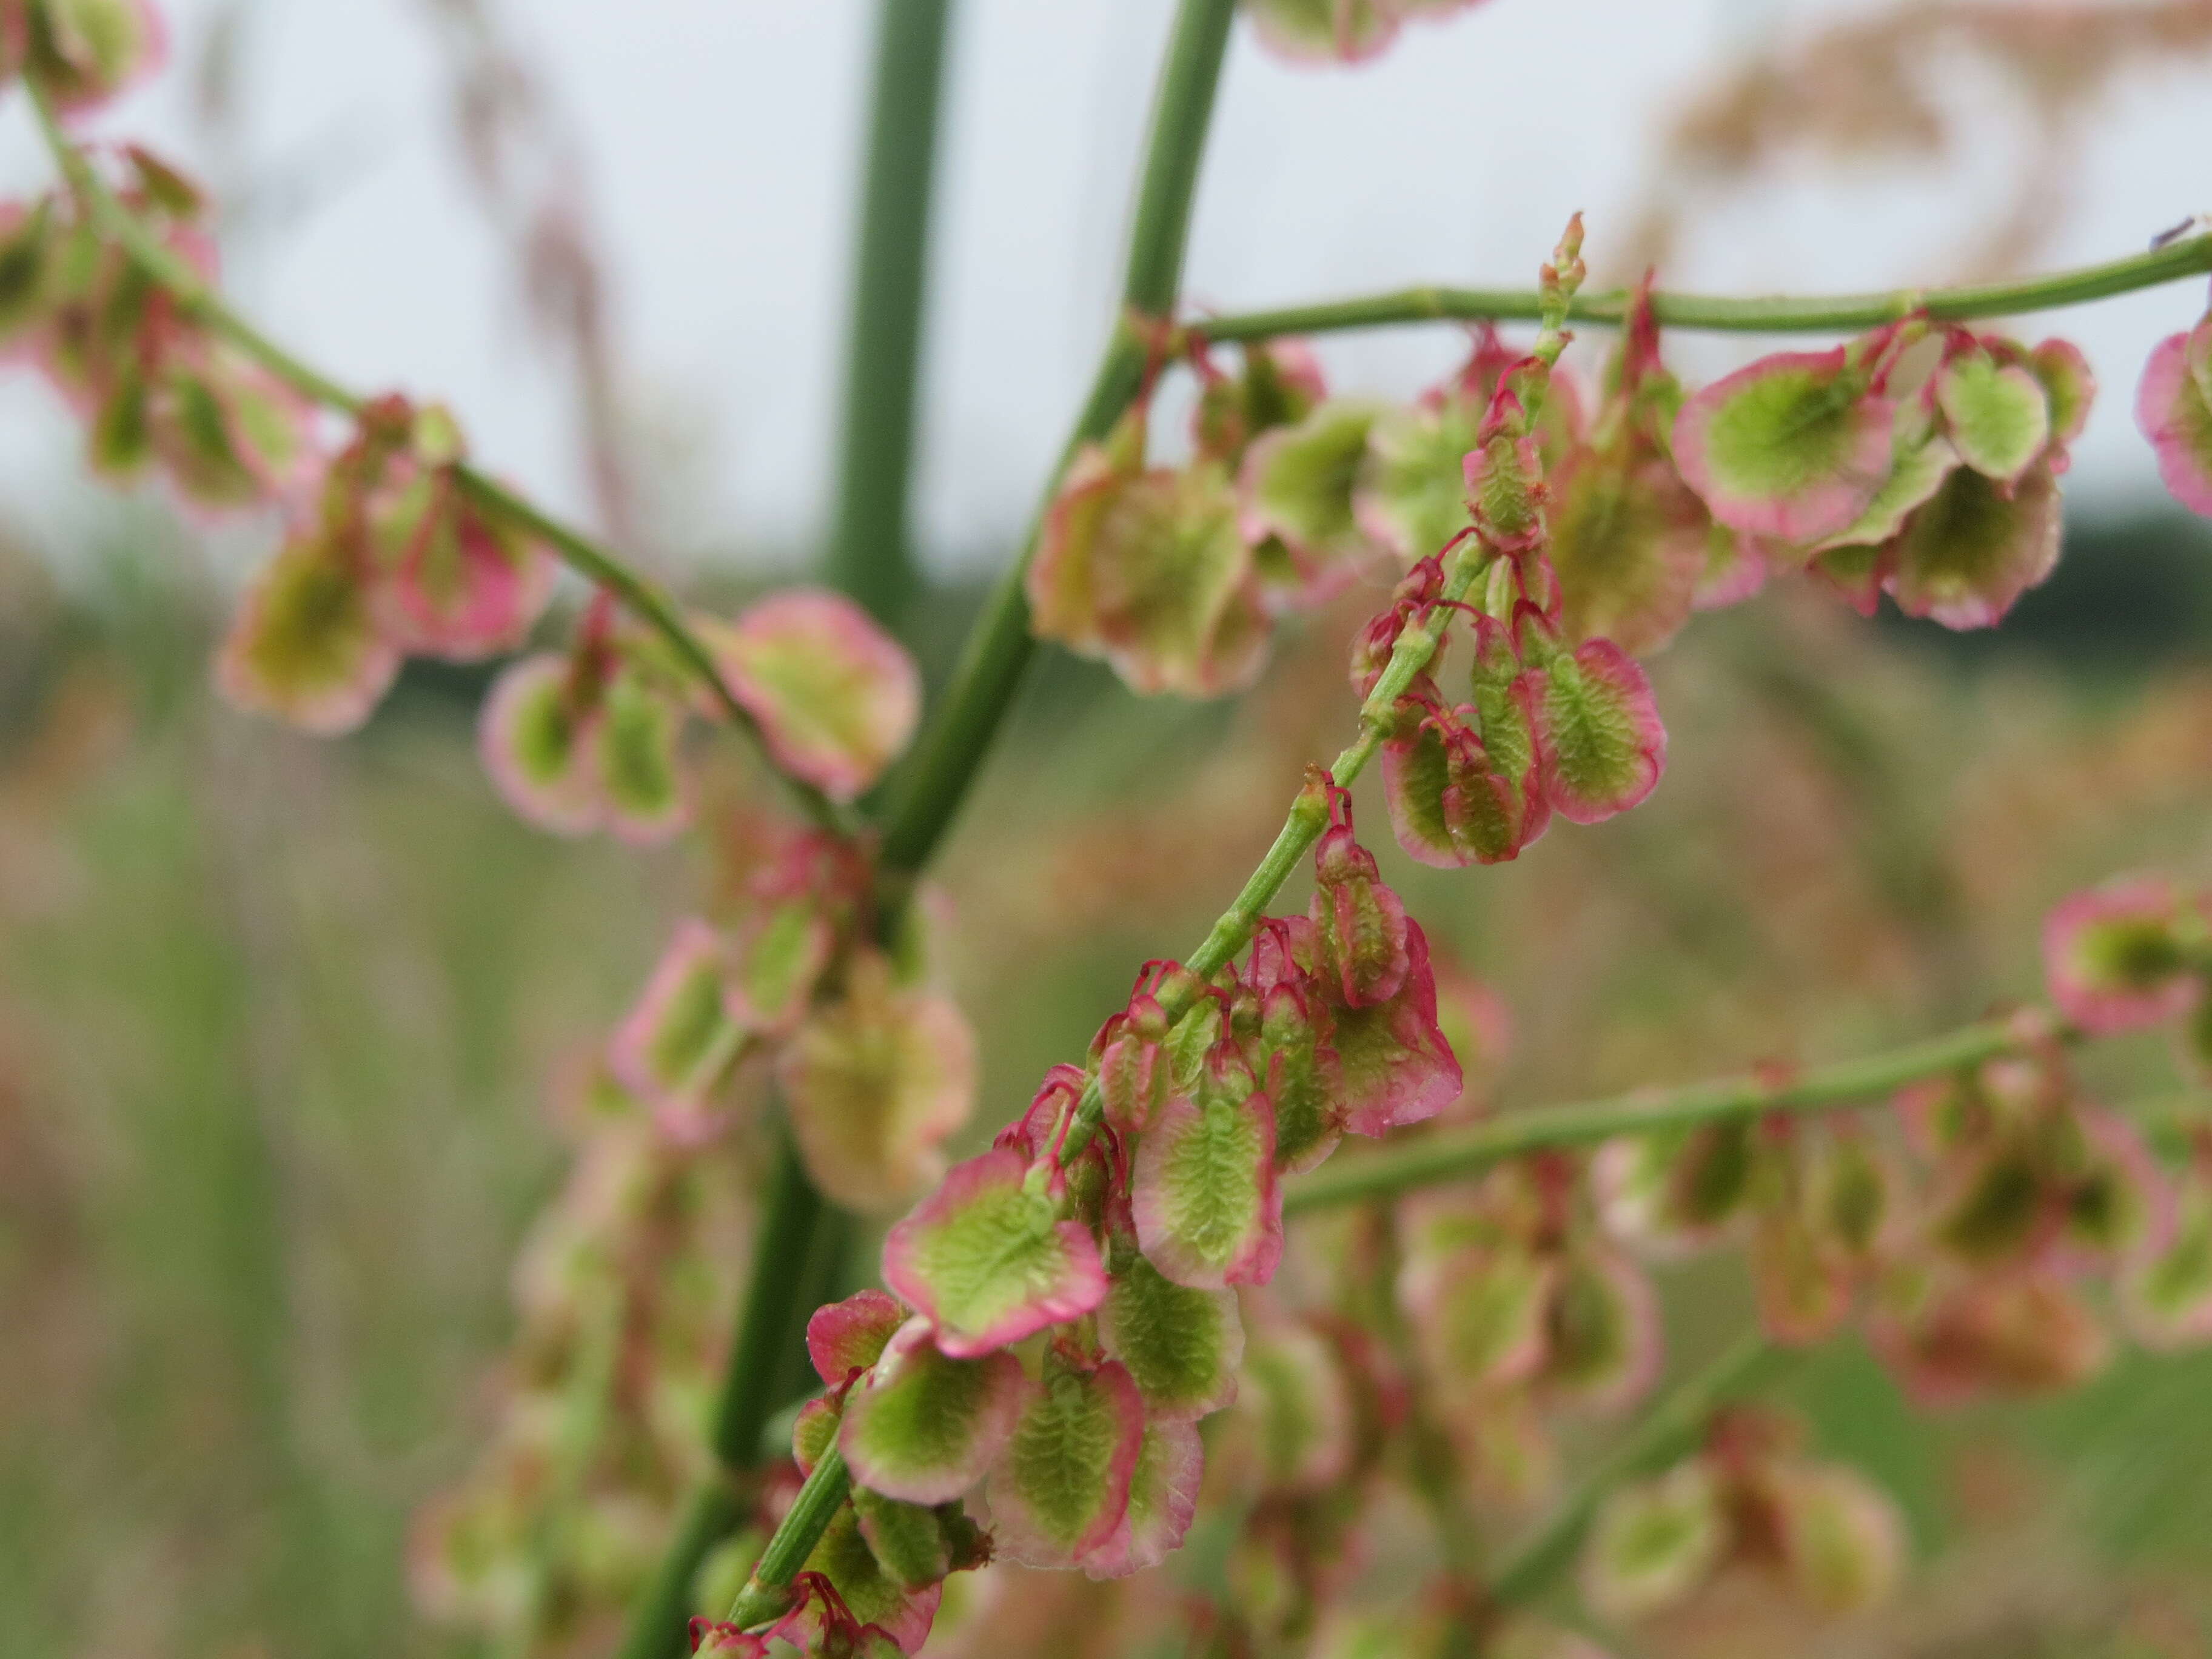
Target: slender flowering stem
871,553
767,1592
998,646
1455,1154
1839,313
1661,1433
579,552
1231,931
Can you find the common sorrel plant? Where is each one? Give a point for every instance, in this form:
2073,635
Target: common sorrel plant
1104,1332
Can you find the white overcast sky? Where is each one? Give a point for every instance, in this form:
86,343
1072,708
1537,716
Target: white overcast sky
721,140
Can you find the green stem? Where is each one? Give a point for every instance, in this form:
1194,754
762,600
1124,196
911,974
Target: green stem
1663,1433
998,646
870,550
767,1592
1416,644
758,1380
1455,1154
579,552
1840,314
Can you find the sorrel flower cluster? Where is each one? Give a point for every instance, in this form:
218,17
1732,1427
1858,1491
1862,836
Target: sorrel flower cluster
1065,1310
1921,460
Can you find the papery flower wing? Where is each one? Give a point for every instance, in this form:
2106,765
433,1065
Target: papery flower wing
1294,1418
1359,924
1481,1315
872,1597
1182,1346
455,585
2010,1333
1505,488
1177,596
1803,1286
2120,1206
849,1336
1997,415
987,1258
641,782
1450,805
1302,1076
2165,1298
1281,382
1792,447
1977,546
1163,1488
875,1082
229,435
1655,1542
1060,581
1842,1537
713,1638
674,1045
908,1540
1411,497
1603,744
2070,386
1132,1061
1061,1485
82,53
1296,483
534,739
924,1428
1396,1066
1322,31
776,961
1922,460
2113,957
305,646
814,1430
1628,544
1606,1340
1734,570
2173,412
1208,1210
837,698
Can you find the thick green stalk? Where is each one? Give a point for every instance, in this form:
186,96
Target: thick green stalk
1663,1433
798,1257
871,552
998,646
758,1380
579,552
1455,1154
1840,314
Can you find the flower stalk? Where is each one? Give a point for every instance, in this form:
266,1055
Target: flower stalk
1454,1155
999,645
1838,313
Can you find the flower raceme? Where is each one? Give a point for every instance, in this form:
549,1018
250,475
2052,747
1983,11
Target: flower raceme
1921,461
1066,1309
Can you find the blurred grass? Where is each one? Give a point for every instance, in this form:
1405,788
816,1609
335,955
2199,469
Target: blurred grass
283,1027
